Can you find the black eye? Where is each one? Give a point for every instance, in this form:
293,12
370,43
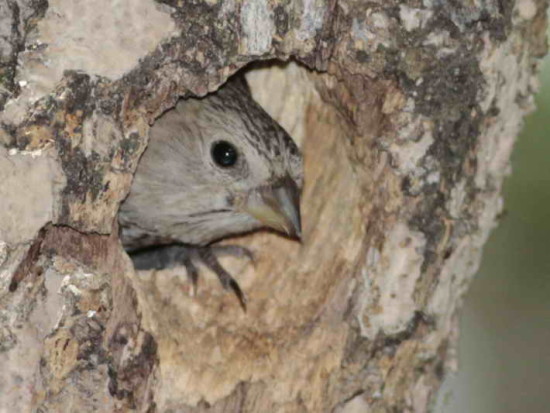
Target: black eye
224,154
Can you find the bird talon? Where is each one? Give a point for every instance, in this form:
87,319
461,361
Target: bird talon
209,259
239,293
192,274
169,256
236,251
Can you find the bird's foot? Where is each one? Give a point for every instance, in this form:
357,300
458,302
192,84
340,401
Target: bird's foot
171,255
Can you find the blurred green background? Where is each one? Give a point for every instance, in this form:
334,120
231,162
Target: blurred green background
504,348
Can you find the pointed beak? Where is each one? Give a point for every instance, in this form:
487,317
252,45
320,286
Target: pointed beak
277,206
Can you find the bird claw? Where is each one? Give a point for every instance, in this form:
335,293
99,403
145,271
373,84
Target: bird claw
208,257
236,251
172,255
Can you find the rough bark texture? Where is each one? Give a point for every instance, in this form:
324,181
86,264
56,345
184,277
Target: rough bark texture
406,113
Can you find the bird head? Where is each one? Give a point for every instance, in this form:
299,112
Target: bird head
217,166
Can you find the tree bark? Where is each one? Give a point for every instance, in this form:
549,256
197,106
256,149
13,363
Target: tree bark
406,114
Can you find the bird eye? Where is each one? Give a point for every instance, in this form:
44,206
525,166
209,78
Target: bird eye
224,154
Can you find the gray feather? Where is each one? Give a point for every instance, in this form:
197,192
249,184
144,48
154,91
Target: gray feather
180,195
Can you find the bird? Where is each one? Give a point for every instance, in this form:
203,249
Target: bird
215,166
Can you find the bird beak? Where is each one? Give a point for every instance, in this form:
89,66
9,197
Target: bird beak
277,206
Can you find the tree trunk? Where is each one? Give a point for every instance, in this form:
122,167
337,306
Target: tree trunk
406,114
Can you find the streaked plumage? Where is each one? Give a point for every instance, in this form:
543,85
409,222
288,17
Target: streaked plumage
180,194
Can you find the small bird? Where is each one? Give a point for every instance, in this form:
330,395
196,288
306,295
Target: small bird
215,166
